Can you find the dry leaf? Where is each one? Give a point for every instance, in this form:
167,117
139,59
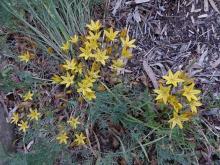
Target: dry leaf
101,88
122,161
212,3
24,104
217,127
150,73
60,95
115,143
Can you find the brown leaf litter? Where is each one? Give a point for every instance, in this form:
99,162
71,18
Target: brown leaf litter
180,35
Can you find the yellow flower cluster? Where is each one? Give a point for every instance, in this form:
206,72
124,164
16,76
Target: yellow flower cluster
85,58
178,92
23,119
31,116
79,140
26,56
89,54
63,137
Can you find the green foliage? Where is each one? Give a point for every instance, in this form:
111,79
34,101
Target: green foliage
11,79
43,153
6,18
118,103
182,146
127,107
175,149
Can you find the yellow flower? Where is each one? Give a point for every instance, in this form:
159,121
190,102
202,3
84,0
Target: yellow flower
80,139
86,53
163,93
49,50
84,87
109,50
93,36
15,118
126,53
118,64
92,44
94,26
177,120
190,93
25,56
28,96
172,78
127,43
101,88
73,122
74,39
70,65
172,100
194,104
23,126
124,33
95,67
68,79
89,80
100,56
110,34
89,95
56,79
62,138
187,115
184,76
34,115
79,68
65,46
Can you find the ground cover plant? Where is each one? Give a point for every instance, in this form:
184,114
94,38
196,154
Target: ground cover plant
71,90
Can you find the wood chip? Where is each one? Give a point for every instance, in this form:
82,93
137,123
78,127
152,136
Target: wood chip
206,5
197,10
150,74
136,15
141,1
192,8
117,5
192,19
216,63
212,3
203,16
30,144
11,113
202,58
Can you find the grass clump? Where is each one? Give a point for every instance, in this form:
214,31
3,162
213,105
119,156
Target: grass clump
49,23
